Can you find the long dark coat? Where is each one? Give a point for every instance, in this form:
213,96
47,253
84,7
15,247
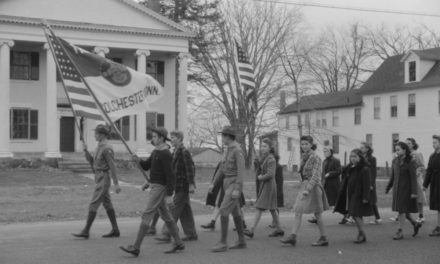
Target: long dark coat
212,197
432,178
279,178
404,183
355,189
373,174
331,184
266,188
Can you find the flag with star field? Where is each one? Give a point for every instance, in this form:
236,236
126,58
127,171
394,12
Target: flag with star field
95,85
246,78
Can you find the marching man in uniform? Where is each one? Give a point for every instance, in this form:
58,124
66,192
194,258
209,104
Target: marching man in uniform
162,181
231,171
104,166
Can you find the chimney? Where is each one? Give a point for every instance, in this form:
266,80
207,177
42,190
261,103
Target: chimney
282,100
154,5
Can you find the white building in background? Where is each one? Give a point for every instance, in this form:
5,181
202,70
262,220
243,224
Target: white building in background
34,110
400,100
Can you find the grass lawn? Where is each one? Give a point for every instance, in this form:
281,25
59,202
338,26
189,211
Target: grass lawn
52,195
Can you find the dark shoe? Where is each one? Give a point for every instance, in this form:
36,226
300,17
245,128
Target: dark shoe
238,245
313,221
190,238
209,226
163,238
343,221
277,233
220,248
113,233
130,249
151,232
320,243
289,240
435,232
398,235
248,233
360,239
416,228
81,235
175,248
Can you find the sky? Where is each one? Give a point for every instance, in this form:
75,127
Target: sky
319,17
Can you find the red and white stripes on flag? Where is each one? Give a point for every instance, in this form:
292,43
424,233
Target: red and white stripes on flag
83,104
246,78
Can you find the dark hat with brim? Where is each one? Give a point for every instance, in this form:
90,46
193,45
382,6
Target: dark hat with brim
228,130
101,129
162,132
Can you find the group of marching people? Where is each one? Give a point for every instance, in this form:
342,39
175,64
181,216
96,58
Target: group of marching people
351,189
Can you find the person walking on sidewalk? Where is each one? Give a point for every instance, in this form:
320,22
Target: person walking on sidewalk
279,179
418,157
368,154
184,170
266,188
404,183
231,171
354,197
311,198
162,181
432,180
103,164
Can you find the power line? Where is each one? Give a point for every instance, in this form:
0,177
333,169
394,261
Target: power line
350,8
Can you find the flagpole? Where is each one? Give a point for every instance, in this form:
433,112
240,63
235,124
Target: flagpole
81,134
100,106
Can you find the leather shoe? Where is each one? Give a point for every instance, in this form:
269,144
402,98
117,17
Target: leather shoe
313,221
360,239
320,243
130,249
277,233
435,232
209,226
190,238
248,233
289,240
175,248
416,228
343,221
398,236
81,235
220,248
151,232
113,233
238,245
163,238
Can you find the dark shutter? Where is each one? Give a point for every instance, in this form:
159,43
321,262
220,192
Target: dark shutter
161,72
136,64
33,124
161,120
117,60
126,127
35,62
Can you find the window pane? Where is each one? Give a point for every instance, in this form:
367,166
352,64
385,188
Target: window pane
151,123
395,140
33,132
412,71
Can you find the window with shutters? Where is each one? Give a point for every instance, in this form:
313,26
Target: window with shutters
335,118
155,69
377,108
24,124
24,65
393,105
123,125
412,105
357,116
154,120
335,142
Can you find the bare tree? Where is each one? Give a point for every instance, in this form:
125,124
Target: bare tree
261,28
339,61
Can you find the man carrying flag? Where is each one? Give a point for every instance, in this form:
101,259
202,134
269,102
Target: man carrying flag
104,166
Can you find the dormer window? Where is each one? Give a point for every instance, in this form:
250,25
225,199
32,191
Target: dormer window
412,71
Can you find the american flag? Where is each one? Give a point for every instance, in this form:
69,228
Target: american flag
83,104
246,78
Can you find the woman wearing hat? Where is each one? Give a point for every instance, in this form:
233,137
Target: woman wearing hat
311,198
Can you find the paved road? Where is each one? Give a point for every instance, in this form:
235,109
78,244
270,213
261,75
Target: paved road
51,243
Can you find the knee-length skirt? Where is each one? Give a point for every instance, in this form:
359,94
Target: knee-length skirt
315,202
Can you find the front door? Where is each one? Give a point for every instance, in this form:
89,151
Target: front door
67,134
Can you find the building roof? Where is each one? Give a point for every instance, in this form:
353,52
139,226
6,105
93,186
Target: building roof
324,101
390,75
196,151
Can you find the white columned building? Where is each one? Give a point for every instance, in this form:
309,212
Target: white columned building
5,46
141,119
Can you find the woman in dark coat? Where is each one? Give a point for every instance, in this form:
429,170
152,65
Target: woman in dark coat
331,170
404,183
215,199
432,180
266,189
368,154
354,197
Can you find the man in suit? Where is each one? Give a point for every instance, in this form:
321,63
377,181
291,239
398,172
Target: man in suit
184,170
